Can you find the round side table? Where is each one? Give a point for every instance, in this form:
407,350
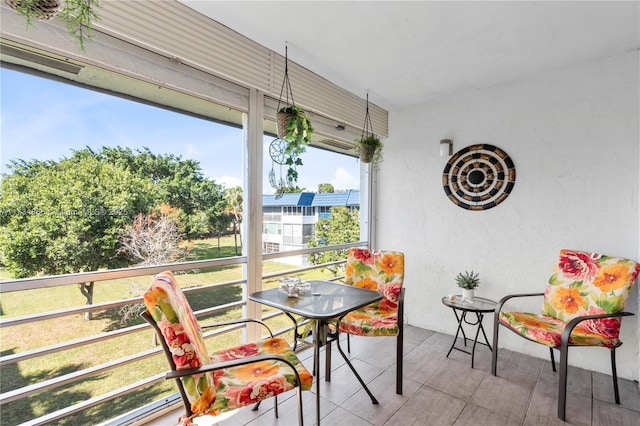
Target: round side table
462,306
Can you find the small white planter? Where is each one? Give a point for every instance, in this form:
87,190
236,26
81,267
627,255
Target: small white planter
468,294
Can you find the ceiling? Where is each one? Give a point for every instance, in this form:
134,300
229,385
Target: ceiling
407,53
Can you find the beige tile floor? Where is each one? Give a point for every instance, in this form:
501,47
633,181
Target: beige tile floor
443,391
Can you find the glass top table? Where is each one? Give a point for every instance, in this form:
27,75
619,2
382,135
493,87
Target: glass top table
324,301
477,306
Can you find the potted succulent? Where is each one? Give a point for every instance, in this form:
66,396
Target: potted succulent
78,14
294,127
370,149
468,281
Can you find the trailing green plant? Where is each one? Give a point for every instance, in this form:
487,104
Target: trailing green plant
369,146
297,134
468,280
77,14
370,149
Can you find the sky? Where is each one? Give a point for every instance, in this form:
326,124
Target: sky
43,119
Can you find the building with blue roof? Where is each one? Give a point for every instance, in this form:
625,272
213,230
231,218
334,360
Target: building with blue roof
288,222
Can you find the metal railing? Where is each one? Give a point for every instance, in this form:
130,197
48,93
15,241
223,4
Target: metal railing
69,379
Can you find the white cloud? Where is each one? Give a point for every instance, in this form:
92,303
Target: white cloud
228,181
191,151
342,179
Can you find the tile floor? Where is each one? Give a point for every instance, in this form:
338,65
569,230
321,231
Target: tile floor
442,391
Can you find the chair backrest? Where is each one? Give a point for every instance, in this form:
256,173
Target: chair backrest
182,334
376,270
588,284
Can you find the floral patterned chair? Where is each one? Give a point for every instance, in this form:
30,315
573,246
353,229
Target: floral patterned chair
382,271
583,305
229,378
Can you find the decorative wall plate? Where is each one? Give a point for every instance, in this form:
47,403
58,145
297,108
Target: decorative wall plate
479,177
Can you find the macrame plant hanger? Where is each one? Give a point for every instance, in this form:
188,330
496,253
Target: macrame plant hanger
277,148
366,146
367,129
286,86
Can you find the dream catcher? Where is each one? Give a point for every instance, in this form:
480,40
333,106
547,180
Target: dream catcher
277,152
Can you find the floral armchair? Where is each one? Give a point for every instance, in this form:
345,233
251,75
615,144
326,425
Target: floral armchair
582,306
382,271
226,379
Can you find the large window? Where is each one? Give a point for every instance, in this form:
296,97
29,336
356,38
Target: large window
105,160
82,171
326,179
132,130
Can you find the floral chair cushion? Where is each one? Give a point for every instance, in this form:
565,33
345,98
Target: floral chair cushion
582,284
220,390
171,311
250,383
380,271
548,330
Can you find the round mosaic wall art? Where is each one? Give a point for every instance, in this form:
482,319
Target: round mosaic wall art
479,177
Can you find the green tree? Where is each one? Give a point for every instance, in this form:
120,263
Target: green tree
291,189
66,217
233,197
178,182
220,225
342,226
325,187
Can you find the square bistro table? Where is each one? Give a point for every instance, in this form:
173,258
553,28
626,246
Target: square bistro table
325,301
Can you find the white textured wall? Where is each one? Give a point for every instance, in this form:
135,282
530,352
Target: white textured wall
573,136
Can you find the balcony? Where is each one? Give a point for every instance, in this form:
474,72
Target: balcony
51,356
524,392
532,77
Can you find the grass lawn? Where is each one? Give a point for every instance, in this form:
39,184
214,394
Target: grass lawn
44,333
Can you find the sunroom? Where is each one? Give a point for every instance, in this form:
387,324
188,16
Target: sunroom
553,85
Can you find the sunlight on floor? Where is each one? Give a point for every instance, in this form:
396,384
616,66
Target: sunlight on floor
171,418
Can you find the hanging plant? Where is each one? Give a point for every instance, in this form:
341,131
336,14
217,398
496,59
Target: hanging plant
297,131
294,127
369,146
370,149
77,14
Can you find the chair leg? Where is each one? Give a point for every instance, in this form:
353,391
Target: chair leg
300,416
399,346
275,405
256,406
562,386
348,343
553,360
331,336
614,373
327,360
494,352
